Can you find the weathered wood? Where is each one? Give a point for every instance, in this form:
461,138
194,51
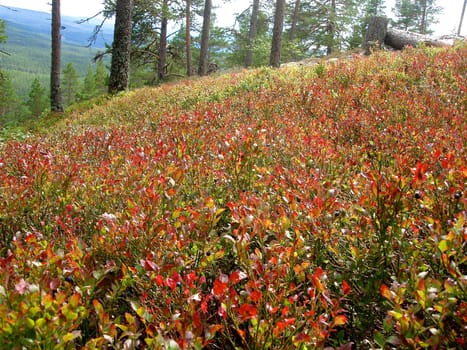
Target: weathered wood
375,34
398,39
378,34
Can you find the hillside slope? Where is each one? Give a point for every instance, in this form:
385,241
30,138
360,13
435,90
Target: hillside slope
305,207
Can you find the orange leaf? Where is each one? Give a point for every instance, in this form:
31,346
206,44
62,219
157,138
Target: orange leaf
340,320
386,292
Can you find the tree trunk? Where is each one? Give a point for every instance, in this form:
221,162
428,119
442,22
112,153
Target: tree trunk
55,90
331,28
462,18
189,68
252,33
375,34
161,67
295,15
398,39
422,28
204,54
276,47
121,47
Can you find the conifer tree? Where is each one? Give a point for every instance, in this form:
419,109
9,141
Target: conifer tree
253,29
276,47
89,85
121,47
55,88
70,84
416,15
37,102
204,51
8,96
101,78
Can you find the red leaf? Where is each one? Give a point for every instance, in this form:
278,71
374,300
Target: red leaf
159,280
255,296
346,288
197,320
219,288
204,306
150,265
419,174
247,311
302,338
234,277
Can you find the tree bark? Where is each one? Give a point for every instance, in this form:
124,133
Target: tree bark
295,15
398,39
121,47
161,67
252,33
462,18
189,68
204,54
331,27
422,28
55,89
375,34
276,47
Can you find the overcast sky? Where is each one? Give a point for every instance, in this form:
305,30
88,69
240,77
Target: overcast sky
449,20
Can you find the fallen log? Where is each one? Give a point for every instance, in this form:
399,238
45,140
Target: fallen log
378,34
398,39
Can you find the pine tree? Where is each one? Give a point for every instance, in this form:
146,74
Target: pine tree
204,51
2,31
189,67
462,18
70,84
252,33
89,85
55,88
121,47
365,11
416,15
3,39
7,95
101,78
276,47
12,109
37,101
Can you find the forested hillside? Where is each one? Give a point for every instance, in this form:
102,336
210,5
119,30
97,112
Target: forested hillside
305,207
28,46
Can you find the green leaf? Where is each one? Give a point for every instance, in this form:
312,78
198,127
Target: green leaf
379,339
30,322
70,336
443,246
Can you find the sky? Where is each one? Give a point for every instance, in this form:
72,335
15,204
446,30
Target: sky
449,20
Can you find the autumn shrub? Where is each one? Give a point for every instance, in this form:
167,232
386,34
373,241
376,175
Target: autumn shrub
305,207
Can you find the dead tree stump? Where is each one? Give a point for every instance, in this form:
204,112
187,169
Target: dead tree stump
375,34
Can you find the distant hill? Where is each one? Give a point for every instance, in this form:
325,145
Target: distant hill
29,45
72,32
